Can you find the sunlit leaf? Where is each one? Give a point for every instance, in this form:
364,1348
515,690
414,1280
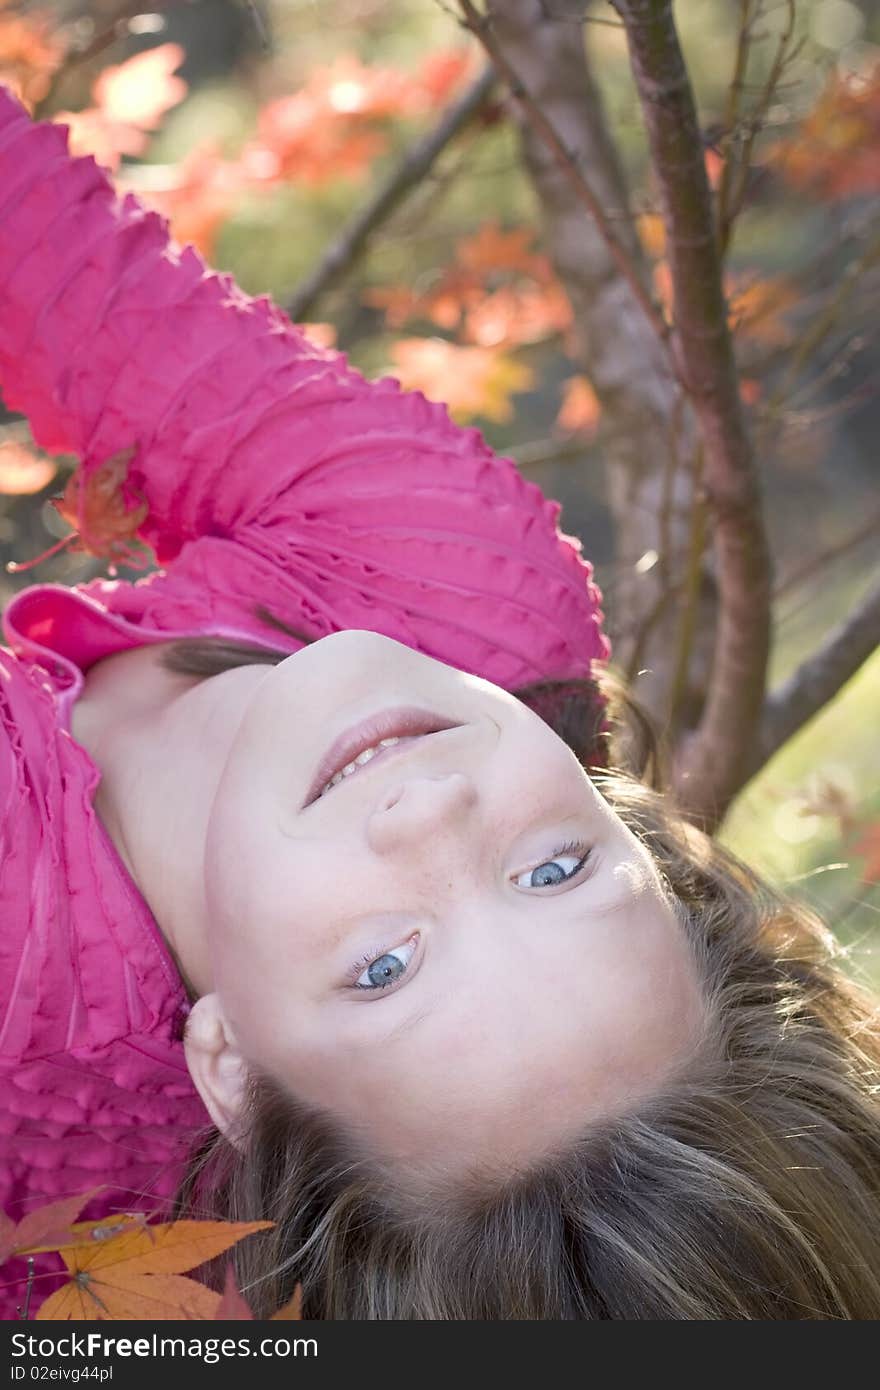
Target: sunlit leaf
652,234
517,314
580,407
472,381
835,150
92,132
491,249
69,1304
141,90
321,334
31,49
441,72
110,1296
757,306
23,472
170,1248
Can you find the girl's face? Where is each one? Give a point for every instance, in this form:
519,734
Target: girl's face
462,952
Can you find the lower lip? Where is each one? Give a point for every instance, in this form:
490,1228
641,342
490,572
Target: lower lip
403,723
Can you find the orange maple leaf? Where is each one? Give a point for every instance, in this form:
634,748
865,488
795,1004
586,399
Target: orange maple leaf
441,73
497,293
757,305
470,380
321,334
137,1271
141,90
42,1229
652,234
516,314
92,132
304,137
580,407
128,101
399,302
835,150
661,278
30,52
234,1306
329,127
491,249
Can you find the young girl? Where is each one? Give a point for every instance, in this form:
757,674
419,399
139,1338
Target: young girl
300,852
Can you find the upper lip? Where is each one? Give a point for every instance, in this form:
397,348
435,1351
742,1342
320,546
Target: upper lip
405,721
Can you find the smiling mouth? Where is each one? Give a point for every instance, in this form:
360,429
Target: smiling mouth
388,731
383,752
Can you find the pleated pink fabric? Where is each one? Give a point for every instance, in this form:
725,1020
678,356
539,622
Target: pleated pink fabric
270,472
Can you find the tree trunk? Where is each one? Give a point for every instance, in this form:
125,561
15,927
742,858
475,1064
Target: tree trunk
650,443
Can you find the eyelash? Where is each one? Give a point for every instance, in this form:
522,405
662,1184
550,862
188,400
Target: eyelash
571,847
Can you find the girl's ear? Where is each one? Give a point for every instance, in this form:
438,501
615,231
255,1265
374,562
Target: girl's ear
217,1068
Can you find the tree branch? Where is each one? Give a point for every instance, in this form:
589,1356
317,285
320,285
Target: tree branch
820,563
818,679
708,771
480,26
648,439
409,173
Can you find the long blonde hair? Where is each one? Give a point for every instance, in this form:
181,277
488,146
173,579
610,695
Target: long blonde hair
748,1188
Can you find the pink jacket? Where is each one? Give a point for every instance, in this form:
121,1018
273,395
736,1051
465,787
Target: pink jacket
272,473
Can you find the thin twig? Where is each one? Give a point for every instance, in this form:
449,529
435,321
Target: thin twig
820,677
820,563
550,450
815,333
773,85
481,27
258,20
731,116
699,538
26,1311
350,246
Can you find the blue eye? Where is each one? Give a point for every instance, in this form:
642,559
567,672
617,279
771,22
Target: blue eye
547,876
384,968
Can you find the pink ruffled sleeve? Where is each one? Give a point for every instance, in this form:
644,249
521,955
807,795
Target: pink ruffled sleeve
112,339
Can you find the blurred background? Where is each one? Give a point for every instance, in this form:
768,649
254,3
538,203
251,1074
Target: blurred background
262,129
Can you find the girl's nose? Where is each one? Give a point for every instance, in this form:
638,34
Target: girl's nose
417,808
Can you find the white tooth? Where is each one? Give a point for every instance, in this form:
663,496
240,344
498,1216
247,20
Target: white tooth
359,761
